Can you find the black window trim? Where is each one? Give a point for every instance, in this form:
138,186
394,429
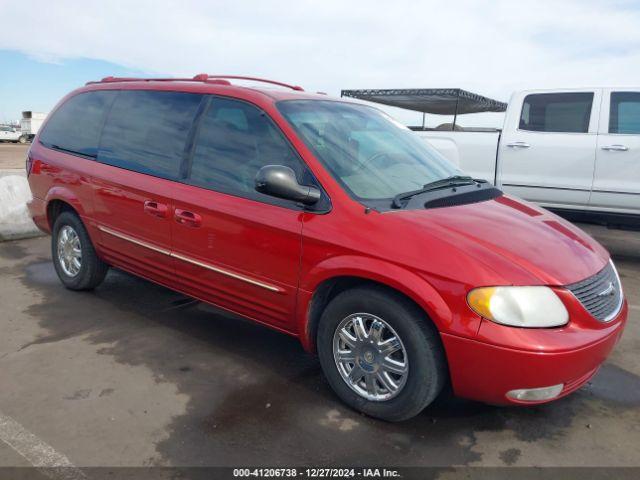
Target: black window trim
323,207
588,132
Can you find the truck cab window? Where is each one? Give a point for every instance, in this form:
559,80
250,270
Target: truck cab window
556,112
624,115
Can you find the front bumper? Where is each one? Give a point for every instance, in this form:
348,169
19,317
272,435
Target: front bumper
485,369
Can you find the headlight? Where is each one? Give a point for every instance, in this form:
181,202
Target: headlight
531,307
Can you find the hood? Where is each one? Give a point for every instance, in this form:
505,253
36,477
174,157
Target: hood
520,242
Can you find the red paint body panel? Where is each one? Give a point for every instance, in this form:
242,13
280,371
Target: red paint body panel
119,205
266,262
242,237
485,372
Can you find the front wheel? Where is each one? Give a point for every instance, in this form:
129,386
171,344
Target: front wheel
22,139
380,353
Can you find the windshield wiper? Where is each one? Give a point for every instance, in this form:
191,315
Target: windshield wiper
452,181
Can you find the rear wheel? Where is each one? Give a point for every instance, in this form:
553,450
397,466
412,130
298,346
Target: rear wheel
22,139
74,257
380,353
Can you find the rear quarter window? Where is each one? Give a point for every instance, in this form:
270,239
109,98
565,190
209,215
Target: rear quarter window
75,126
147,131
556,112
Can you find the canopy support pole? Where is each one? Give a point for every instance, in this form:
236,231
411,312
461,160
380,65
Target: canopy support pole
423,115
455,115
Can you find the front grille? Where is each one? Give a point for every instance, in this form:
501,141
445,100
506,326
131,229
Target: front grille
600,295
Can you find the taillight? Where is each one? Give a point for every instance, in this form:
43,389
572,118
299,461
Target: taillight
29,164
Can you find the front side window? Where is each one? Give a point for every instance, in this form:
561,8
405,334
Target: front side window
234,141
75,126
624,116
556,112
370,154
147,131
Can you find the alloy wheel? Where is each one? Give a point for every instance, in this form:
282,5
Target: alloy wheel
69,251
370,356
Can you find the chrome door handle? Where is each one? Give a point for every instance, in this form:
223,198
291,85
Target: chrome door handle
518,145
615,148
156,209
189,219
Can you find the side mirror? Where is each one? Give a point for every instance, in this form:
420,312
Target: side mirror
280,181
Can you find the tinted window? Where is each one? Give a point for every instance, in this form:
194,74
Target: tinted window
234,141
146,131
556,112
625,112
373,156
75,126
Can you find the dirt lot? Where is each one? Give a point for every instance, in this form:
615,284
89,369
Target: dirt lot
134,374
12,155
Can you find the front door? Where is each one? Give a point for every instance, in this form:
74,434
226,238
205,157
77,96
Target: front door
616,183
547,150
233,246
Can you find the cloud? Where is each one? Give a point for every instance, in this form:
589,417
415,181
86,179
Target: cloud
488,47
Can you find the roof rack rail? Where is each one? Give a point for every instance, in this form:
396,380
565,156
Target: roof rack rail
254,79
140,79
201,77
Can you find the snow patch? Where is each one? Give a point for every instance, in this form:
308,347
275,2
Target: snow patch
15,221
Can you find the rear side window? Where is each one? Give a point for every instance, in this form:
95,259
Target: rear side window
146,131
624,114
75,126
234,141
556,112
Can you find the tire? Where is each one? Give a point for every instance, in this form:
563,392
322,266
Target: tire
91,270
420,352
22,139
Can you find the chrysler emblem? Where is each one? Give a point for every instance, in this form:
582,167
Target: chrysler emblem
607,292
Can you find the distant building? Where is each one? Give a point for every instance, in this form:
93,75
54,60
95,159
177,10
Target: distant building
31,123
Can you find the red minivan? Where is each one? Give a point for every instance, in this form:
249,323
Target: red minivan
331,222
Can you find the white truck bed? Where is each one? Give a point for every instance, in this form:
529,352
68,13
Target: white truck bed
475,152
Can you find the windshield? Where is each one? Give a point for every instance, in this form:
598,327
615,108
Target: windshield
369,153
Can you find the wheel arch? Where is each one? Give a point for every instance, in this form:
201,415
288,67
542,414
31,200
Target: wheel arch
59,200
324,284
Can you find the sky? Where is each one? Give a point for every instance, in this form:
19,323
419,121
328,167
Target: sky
48,48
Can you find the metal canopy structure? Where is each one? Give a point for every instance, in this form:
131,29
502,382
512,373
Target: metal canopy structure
440,101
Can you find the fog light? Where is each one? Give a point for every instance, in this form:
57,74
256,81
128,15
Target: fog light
535,394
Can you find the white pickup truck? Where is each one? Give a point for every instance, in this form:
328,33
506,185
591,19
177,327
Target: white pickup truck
9,134
575,151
